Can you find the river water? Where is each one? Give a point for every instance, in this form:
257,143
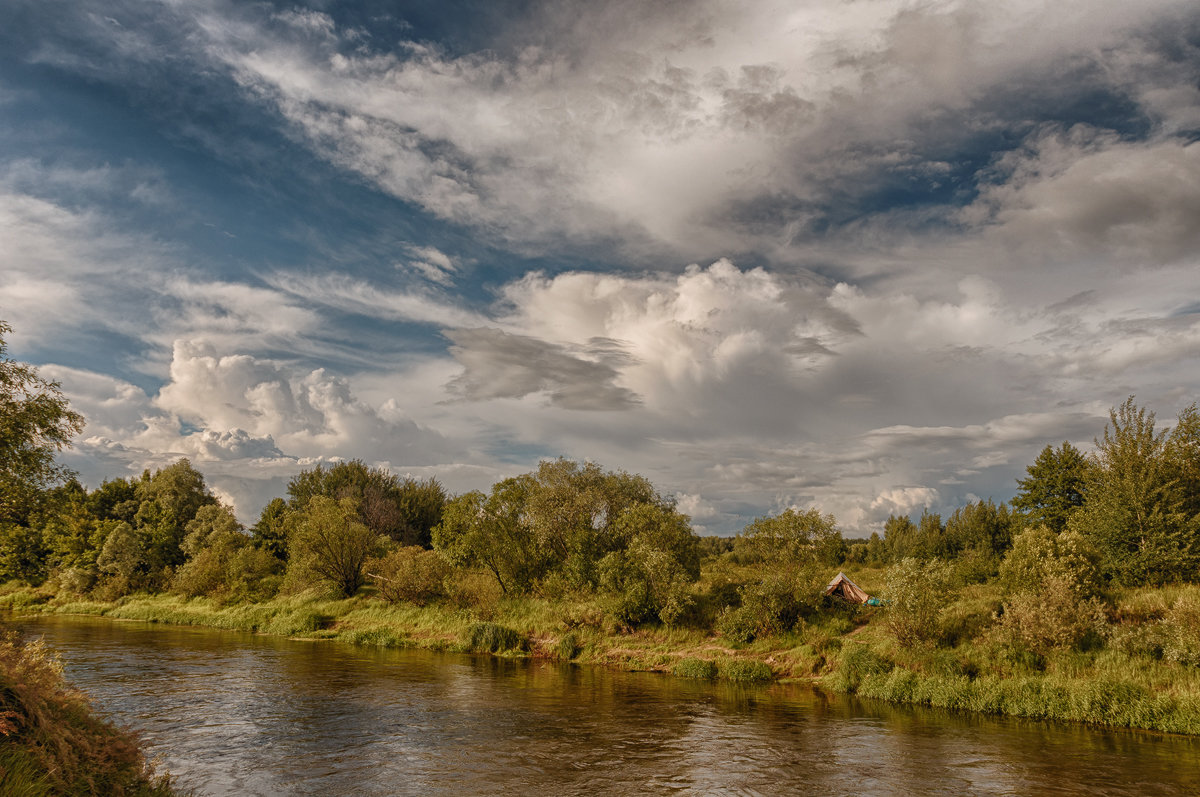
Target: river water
239,714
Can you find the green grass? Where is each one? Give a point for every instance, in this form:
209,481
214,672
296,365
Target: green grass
1122,680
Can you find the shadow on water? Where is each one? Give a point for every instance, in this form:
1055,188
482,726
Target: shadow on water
236,713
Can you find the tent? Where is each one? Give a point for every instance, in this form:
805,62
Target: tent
847,590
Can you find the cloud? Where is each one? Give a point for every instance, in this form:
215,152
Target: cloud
1081,192
501,365
354,295
588,122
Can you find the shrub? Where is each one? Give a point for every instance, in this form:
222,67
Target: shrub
1038,554
736,625
695,668
916,593
410,574
493,638
1181,633
745,670
472,589
1052,616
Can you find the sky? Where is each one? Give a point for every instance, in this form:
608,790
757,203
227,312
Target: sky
864,255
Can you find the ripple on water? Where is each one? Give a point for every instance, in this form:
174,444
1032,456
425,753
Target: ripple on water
234,713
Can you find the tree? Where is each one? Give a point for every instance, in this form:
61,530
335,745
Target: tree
332,545
169,500
221,561
794,538
1135,511
404,510
270,532
1054,489
35,424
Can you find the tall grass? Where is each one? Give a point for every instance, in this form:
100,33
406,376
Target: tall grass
53,743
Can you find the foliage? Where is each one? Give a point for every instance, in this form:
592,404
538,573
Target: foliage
916,593
695,668
1054,488
270,532
580,528
1181,632
568,647
1038,554
772,605
169,500
1052,615
331,545
222,563
410,574
795,538
1138,499
35,423
403,510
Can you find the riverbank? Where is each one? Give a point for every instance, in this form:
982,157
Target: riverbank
53,742
1124,682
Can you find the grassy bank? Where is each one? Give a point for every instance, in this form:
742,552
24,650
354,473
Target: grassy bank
51,741
1123,680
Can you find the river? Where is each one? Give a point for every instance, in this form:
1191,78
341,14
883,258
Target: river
233,713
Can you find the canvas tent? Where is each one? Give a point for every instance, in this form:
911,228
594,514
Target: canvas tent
846,589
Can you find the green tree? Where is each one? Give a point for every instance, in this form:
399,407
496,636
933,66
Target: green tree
916,593
270,532
169,500
331,544
490,531
982,526
1054,488
35,424
221,561
1135,511
794,538
404,510
900,535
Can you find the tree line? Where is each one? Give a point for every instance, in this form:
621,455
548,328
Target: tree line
1126,514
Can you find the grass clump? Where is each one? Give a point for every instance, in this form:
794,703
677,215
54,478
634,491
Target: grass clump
295,622
696,668
375,637
745,670
568,646
493,638
53,743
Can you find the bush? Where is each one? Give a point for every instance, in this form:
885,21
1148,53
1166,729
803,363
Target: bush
472,589
695,668
410,574
916,593
1181,633
745,670
772,606
1052,616
493,638
736,625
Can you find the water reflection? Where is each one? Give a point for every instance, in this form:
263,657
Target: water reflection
241,714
